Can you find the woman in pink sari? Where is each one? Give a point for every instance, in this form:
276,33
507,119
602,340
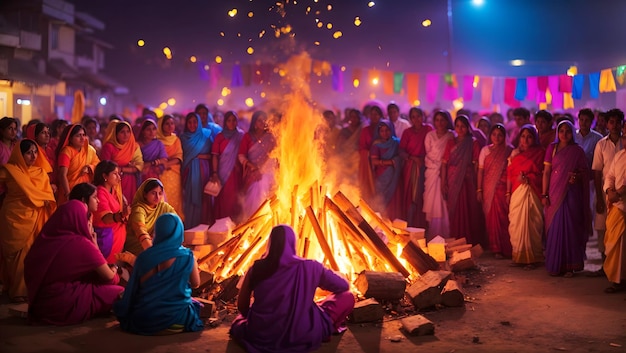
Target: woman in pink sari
121,148
458,176
227,169
566,201
413,151
491,191
67,277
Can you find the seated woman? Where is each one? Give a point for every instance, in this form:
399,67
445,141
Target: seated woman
147,206
67,278
157,299
283,316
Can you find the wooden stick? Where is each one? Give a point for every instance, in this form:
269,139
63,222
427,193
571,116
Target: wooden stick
226,244
305,252
244,256
377,220
321,239
371,234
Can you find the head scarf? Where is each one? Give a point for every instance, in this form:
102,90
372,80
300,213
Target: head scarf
145,126
281,251
194,142
230,133
256,116
167,140
533,130
499,127
66,142
126,150
571,127
33,180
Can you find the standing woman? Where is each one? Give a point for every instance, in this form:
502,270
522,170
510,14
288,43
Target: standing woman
171,174
258,168
29,202
435,206
491,191
387,165
40,133
566,201
227,169
458,177
524,178
347,151
153,151
413,151
76,160
147,206
196,171
121,148
110,218
8,138
368,135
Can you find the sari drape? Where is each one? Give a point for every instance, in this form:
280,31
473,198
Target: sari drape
412,144
75,160
387,178
495,206
164,298
171,177
435,206
366,178
257,183
227,203
28,204
63,288
525,209
110,203
152,151
195,173
567,217
126,155
142,218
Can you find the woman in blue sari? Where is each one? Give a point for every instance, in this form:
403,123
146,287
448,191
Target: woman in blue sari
387,164
196,171
157,299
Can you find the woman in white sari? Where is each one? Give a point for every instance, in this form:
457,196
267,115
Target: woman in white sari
435,206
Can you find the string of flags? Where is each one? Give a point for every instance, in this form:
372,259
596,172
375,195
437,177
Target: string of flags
558,90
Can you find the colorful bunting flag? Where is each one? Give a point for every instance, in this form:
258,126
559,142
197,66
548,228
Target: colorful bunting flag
565,83
578,82
557,97
468,88
387,82
531,86
521,89
594,85
412,87
432,87
607,82
486,91
398,80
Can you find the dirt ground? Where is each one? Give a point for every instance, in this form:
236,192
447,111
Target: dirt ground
507,309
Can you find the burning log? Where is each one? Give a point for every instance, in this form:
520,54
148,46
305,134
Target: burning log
244,256
461,261
426,291
417,325
368,310
377,220
381,285
321,239
224,245
228,289
352,212
421,261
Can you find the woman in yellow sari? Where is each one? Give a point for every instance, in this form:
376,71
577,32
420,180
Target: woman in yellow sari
28,204
147,206
76,160
120,147
171,175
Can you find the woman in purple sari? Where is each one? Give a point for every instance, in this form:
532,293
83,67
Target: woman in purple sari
458,175
196,171
67,277
153,151
387,164
258,167
565,194
283,316
227,169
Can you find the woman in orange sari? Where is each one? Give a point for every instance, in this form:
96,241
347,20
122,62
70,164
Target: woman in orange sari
76,160
28,204
120,147
171,176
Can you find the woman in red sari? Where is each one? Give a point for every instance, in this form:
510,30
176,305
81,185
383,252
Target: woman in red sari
121,148
227,169
524,175
458,175
110,218
491,191
67,277
413,151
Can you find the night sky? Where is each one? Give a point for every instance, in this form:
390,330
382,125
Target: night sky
550,35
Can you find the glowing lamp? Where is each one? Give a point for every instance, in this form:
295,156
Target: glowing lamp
171,101
426,23
417,102
232,13
329,25
517,62
250,50
163,106
218,59
193,59
371,4
375,81
23,101
220,102
356,83
141,43
250,14
357,21
249,102
337,34
103,101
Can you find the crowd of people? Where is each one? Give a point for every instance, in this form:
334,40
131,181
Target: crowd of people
530,187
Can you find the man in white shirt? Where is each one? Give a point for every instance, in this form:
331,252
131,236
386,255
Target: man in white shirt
614,240
399,124
603,155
